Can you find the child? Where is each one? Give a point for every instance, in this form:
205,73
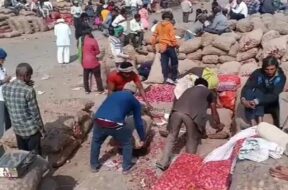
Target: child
186,6
144,14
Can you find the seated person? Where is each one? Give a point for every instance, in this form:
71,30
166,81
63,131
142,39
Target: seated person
261,92
219,24
253,6
197,28
191,110
268,6
125,74
136,31
240,11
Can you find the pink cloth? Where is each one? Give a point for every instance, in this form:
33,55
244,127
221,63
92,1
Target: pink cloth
144,17
90,51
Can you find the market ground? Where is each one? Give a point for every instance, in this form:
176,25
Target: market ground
60,93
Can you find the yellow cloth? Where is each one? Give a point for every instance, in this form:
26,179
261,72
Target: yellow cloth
212,78
104,14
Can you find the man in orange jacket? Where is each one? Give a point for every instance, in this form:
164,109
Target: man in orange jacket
164,37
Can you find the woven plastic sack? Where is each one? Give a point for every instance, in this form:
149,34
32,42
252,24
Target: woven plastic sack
155,75
147,37
210,59
234,50
228,99
30,180
244,25
251,53
180,174
279,26
210,50
228,83
183,84
250,40
269,36
186,65
9,139
232,24
257,23
12,34
207,39
181,56
234,35
141,59
229,68
197,55
226,58
247,69
190,46
224,43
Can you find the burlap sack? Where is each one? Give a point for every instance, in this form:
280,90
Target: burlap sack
12,34
234,50
197,55
207,39
251,53
31,179
258,24
3,17
27,13
280,16
186,65
210,59
225,116
229,68
35,26
234,35
17,25
181,56
150,48
8,140
180,32
147,37
269,36
25,25
250,40
42,25
190,46
210,50
5,11
224,43
279,26
3,23
276,47
155,75
259,55
140,59
232,24
244,25
226,58
247,69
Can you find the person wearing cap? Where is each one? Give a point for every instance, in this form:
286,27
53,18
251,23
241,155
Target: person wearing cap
110,121
62,32
125,74
191,110
116,45
5,122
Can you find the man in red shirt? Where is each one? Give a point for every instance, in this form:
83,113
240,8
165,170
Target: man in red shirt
125,74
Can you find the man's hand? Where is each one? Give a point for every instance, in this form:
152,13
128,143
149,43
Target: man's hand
219,127
7,79
30,83
248,104
139,144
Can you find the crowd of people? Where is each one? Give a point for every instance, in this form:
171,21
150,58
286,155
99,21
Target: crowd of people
260,94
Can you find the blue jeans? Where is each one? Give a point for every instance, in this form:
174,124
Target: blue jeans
167,70
249,95
123,135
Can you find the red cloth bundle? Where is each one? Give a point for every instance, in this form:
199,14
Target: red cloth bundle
228,83
228,99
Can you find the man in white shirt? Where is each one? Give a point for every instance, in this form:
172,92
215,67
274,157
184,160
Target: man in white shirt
62,33
136,31
121,20
240,11
76,11
186,6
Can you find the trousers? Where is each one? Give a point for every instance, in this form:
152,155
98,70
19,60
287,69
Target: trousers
169,55
186,17
97,74
5,122
31,143
63,54
174,124
283,115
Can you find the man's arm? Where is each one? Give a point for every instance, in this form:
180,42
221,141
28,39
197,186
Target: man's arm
111,87
34,109
142,93
137,118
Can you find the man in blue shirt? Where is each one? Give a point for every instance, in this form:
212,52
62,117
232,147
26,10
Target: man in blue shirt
110,121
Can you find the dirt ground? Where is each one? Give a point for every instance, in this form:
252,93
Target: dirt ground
60,93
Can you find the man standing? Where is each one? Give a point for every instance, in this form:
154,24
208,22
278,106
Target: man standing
62,33
165,36
190,109
110,121
137,31
23,109
186,6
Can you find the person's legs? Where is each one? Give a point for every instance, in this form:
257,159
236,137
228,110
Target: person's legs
86,73
274,111
165,64
60,51
99,136
66,54
21,143
236,16
211,30
133,39
174,122
140,38
193,135
283,111
7,118
123,135
174,63
2,118
97,74
185,17
34,143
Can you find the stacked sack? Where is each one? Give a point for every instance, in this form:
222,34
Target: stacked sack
63,7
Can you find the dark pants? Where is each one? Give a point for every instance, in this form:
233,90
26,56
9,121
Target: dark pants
137,39
214,31
5,122
193,136
97,74
169,55
236,16
123,135
31,143
186,17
